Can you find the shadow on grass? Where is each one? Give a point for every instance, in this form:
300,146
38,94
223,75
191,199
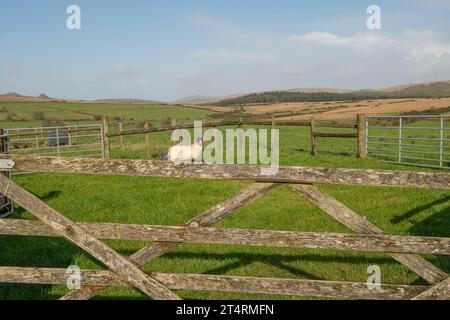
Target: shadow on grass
33,252
280,261
19,211
415,211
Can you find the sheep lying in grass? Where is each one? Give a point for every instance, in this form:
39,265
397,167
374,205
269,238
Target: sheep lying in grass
185,154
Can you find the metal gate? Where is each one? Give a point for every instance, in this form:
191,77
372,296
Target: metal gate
58,141
410,140
6,205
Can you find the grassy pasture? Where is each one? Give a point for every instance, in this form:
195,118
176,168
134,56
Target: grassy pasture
399,211
22,113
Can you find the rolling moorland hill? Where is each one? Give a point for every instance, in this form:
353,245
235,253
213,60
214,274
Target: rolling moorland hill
439,89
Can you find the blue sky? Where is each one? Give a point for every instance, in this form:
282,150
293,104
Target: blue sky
170,49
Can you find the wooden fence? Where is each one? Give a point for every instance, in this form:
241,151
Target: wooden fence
359,125
360,135
126,272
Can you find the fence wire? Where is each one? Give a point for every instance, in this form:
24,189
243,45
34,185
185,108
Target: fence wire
422,141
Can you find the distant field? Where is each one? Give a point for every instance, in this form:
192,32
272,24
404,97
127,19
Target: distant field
340,110
34,114
399,211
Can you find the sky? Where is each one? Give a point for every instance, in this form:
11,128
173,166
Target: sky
165,50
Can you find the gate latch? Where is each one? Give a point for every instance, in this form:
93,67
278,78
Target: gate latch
6,164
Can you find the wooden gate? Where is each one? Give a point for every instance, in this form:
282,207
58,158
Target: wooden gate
127,271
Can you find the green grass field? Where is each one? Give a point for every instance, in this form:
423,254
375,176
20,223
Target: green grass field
399,211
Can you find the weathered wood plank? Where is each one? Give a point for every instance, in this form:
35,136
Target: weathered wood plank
440,291
362,139
106,143
335,135
358,224
207,218
232,236
215,283
312,127
84,240
231,172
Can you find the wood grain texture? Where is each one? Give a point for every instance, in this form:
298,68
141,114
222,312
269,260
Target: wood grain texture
216,283
358,224
232,236
440,291
71,231
361,124
207,218
231,172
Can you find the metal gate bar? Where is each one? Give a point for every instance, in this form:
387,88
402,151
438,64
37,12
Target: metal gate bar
395,137
77,140
6,205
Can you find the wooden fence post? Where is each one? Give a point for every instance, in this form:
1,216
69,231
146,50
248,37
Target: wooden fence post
106,145
120,127
241,137
147,140
361,122
273,122
313,137
173,124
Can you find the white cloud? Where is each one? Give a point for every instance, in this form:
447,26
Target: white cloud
359,40
414,45
425,44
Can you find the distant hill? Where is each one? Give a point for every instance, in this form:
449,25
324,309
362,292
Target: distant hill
44,96
15,97
13,94
202,100
126,101
314,90
439,89
199,99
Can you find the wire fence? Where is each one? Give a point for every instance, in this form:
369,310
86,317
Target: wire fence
410,140
78,140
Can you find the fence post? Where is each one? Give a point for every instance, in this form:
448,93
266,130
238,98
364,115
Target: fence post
313,137
120,127
441,143
147,139
37,138
57,142
241,138
106,146
173,124
362,147
400,139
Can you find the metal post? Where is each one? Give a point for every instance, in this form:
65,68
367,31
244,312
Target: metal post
101,141
57,142
6,205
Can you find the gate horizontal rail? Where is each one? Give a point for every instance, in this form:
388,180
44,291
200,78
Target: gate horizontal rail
285,174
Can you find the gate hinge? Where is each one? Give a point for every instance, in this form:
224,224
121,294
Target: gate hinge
6,164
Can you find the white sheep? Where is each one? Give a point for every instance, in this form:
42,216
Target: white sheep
185,154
